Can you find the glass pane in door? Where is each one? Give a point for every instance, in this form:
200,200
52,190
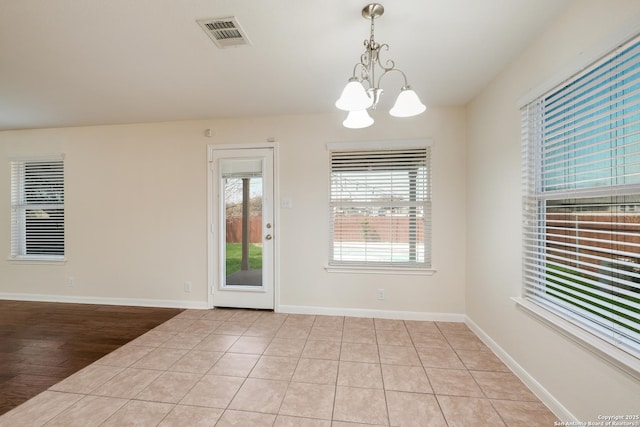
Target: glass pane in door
243,190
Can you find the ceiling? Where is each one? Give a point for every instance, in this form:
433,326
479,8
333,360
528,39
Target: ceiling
73,63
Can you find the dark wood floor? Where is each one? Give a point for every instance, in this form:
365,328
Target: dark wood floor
42,343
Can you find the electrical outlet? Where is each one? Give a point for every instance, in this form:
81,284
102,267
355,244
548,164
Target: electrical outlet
187,287
380,294
71,281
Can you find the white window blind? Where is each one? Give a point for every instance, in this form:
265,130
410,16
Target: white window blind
380,208
37,209
581,163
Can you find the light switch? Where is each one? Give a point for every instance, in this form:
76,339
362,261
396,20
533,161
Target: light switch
286,203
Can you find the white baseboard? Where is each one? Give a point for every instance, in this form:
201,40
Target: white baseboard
105,301
202,305
547,398
380,314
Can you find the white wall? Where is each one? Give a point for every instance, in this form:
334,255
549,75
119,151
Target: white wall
582,383
136,206
137,214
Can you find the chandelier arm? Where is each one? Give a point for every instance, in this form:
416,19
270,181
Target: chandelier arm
389,64
366,61
364,73
389,70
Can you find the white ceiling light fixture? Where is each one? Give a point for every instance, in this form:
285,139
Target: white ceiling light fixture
357,119
356,99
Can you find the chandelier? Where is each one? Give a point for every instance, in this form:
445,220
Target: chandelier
356,99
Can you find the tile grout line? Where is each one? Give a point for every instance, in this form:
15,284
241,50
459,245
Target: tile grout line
384,391
335,392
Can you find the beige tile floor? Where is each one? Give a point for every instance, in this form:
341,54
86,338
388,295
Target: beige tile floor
251,368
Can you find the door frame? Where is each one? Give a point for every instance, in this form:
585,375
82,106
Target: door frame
211,209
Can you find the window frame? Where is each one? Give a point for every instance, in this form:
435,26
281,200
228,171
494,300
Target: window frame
389,267
535,205
20,206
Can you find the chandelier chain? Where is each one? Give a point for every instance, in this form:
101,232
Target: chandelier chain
372,42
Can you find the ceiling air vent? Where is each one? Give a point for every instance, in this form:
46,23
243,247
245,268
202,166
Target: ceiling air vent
225,32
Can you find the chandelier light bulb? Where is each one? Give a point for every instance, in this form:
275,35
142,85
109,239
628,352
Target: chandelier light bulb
354,97
358,119
407,104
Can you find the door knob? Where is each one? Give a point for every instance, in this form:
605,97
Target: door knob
268,237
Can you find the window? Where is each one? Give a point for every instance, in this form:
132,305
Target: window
581,151
380,206
37,209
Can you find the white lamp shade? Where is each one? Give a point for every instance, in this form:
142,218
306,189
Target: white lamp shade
407,104
357,120
354,97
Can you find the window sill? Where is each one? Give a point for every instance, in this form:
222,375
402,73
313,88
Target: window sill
353,269
37,260
618,358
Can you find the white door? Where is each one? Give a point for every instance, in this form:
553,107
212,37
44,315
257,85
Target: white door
243,231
